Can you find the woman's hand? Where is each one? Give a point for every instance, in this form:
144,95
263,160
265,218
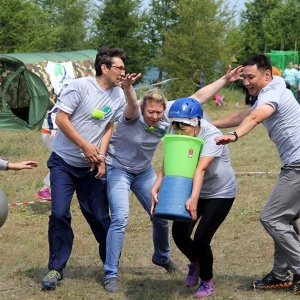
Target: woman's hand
101,168
235,74
130,79
191,207
154,198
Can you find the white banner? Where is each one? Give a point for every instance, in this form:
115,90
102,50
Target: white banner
61,74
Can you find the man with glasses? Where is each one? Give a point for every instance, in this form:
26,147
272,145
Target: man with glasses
87,110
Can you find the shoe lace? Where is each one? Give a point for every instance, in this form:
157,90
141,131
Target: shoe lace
204,286
54,273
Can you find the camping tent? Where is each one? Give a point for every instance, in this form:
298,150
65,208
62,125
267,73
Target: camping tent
25,86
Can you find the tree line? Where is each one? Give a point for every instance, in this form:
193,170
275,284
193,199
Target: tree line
177,37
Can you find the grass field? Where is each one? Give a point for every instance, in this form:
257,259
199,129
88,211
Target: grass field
243,251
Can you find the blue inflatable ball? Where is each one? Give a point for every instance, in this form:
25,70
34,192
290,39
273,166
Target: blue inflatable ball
3,208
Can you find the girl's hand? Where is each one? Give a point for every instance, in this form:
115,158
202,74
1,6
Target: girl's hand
191,207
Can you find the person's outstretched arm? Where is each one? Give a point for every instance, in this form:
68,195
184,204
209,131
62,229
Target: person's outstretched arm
209,90
249,122
7,165
132,106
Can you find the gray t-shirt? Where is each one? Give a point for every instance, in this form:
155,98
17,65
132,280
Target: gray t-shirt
79,99
283,125
133,143
219,178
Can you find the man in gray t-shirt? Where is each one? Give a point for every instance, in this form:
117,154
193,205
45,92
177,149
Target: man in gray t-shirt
279,112
87,110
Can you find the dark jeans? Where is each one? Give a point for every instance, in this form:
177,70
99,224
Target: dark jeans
212,212
91,194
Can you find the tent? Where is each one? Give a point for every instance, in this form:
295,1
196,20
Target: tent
26,88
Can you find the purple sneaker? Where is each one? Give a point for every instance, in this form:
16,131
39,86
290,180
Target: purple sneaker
44,194
205,289
192,278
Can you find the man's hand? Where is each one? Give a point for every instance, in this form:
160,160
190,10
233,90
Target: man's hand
91,153
225,139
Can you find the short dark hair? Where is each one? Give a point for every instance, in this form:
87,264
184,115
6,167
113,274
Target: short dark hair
261,61
105,56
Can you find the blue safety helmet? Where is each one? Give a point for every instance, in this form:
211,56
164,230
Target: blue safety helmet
186,108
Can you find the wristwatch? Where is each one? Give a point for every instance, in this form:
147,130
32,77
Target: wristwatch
235,134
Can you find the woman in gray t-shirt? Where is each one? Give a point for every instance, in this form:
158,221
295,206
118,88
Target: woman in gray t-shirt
213,193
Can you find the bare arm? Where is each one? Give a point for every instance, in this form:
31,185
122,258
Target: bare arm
155,189
232,120
22,165
132,106
192,202
209,90
103,149
252,120
90,151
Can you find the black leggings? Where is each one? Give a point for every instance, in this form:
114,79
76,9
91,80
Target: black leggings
212,212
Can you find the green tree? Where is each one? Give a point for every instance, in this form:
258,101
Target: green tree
120,23
281,29
254,34
161,16
68,19
22,27
42,25
198,39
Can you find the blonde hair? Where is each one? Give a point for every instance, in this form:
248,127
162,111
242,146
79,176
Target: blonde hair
154,95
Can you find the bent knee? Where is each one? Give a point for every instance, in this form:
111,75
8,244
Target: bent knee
120,220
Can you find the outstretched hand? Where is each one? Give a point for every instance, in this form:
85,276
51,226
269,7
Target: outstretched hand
225,139
22,165
130,79
235,74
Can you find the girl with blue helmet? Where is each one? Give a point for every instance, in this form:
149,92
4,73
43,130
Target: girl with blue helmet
213,193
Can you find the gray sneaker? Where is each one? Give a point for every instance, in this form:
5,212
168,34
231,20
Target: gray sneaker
50,281
111,284
169,266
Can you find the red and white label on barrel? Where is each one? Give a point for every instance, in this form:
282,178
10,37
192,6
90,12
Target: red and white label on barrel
191,151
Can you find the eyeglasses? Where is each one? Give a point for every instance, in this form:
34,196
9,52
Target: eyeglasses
179,125
121,69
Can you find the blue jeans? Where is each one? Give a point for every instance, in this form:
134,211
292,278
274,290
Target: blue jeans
119,184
